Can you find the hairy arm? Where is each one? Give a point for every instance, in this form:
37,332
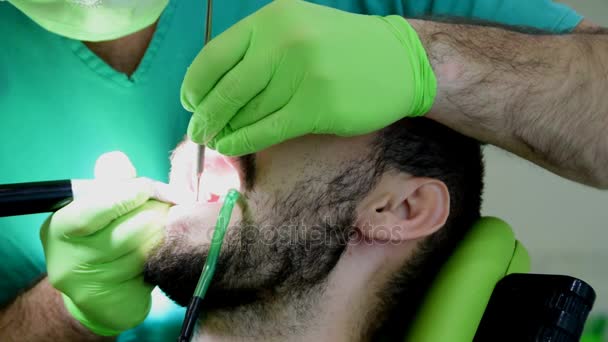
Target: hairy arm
542,97
39,315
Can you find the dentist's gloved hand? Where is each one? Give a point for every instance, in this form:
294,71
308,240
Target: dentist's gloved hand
294,68
96,247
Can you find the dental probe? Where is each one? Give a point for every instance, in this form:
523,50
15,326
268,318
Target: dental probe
39,197
200,153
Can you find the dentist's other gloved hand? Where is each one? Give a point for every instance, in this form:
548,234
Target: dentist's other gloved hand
95,250
294,68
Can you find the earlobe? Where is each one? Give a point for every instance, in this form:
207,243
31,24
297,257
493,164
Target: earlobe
404,208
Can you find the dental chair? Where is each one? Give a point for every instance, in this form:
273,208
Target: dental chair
483,293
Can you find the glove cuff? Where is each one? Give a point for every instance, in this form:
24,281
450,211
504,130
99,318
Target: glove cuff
87,323
424,77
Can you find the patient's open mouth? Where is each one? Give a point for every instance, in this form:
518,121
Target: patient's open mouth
220,174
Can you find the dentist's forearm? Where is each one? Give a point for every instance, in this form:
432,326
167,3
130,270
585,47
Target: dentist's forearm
542,97
39,315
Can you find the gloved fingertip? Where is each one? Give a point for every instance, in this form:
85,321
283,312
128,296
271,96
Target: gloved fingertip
212,144
226,146
186,103
222,148
196,133
186,94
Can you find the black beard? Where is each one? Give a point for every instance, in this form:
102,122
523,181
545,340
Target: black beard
285,254
253,264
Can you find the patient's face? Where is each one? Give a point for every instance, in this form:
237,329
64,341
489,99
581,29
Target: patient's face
288,231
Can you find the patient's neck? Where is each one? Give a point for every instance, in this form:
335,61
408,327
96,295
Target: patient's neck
348,306
124,54
297,317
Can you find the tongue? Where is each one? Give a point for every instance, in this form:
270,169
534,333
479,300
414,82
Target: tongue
213,198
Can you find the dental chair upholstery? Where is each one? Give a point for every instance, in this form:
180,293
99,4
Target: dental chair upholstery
486,274
455,304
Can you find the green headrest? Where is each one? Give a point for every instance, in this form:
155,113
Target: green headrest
458,298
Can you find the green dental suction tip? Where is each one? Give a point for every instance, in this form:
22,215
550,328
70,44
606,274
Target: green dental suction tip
221,226
216,243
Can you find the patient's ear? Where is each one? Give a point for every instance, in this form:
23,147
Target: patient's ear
402,207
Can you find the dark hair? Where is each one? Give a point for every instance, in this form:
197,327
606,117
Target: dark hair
424,148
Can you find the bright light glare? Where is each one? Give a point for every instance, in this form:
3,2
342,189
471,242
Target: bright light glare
114,165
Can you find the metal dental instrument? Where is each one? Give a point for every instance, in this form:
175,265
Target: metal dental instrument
200,153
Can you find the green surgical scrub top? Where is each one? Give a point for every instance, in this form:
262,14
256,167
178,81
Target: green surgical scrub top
61,107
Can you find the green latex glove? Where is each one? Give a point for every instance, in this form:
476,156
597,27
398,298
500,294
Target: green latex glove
95,250
294,68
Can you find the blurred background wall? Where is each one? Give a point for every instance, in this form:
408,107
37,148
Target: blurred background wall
564,225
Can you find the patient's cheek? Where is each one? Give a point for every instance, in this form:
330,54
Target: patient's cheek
193,223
